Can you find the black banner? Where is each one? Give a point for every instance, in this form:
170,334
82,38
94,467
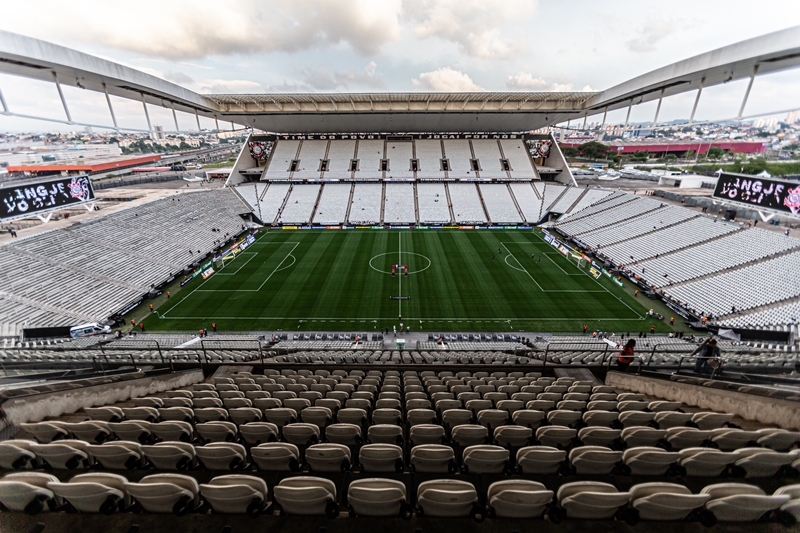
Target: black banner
24,200
759,192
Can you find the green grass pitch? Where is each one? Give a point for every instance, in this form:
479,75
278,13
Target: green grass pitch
480,280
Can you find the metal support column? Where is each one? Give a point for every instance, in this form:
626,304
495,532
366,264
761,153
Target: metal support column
146,114
658,107
628,116
3,103
747,92
216,121
63,100
586,116
697,100
174,116
196,116
110,108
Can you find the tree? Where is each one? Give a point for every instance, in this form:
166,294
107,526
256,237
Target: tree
715,153
689,154
593,150
670,157
570,151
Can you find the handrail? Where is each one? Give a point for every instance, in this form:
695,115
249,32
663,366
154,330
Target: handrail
649,359
692,356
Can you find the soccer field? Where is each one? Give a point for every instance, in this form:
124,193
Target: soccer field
481,280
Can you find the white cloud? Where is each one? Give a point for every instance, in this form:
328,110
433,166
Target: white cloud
524,81
476,26
184,29
650,34
446,79
328,80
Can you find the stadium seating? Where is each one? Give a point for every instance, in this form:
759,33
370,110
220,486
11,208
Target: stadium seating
366,207
432,200
499,204
467,206
399,204
332,207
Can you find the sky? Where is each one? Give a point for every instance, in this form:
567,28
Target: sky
394,45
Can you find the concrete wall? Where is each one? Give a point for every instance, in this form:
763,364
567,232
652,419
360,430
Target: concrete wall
783,413
40,406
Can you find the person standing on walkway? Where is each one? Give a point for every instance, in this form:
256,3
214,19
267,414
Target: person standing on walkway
625,357
708,356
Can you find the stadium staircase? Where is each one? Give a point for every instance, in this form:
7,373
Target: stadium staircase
483,205
546,209
536,192
416,203
450,204
283,204
737,267
316,203
649,232
349,203
516,204
238,197
383,200
577,200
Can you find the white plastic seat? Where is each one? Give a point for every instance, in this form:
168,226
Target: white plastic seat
244,415
433,458
347,434
217,431
90,431
118,455
28,492
591,500
381,458
528,418
256,433
301,434
172,431
426,434
734,439
176,414
456,417
131,430
177,402
352,415
684,437
201,403
146,414
280,416
386,434
170,455
166,493
105,414
446,498
222,455
420,416
709,420
518,498
564,418
378,497
64,454
761,462
636,418
779,440
328,457
210,414
235,494
705,462
387,416
540,459
600,418
556,436
665,501
276,456
485,459
540,405
598,436
571,405
649,461
642,436
469,435
739,502
305,495
93,493
16,454
594,459
512,436
792,506
662,406
672,419
602,405
148,401
45,432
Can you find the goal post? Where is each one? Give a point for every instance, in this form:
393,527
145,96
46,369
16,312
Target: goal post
576,259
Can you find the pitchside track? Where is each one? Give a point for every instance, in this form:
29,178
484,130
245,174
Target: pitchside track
482,280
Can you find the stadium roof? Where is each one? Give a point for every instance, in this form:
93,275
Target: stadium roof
393,112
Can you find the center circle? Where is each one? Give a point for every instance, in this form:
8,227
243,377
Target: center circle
373,267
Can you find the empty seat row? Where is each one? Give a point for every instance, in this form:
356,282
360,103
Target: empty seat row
304,495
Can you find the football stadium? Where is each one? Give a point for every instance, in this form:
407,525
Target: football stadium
387,316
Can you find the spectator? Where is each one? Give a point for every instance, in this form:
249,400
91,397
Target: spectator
708,355
625,357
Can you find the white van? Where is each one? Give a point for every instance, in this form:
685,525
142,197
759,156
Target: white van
89,330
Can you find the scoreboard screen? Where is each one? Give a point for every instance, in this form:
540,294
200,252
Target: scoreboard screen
759,192
20,201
